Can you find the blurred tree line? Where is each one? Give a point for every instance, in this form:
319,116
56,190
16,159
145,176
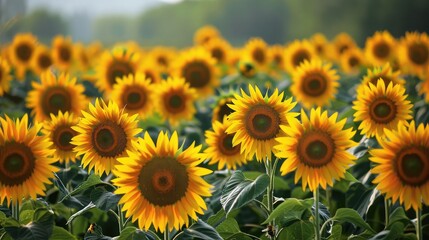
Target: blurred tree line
276,21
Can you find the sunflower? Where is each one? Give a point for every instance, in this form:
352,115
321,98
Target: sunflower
247,68
205,34
55,94
62,52
162,56
151,70
161,184
320,44
316,148
21,52
197,67
219,49
341,43
385,72
413,53
175,100
276,53
380,48
220,149
403,165
83,59
25,162
222,109
256,49
115,64
42,59
296,53
59,130
314,83
352,60
104,134
134,94
256,121
380,107
5,76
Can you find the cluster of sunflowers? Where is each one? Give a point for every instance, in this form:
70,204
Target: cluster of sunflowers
175,140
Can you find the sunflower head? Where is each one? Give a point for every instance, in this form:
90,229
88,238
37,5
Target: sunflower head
220,148
320,44
276,53
314,83
296,53
5,76
134,94
385,72
247,68
352,60
198,69
175,100
413,53
42,59
151,71
205,34
380,48
256,49
115,64
21,52
55,93
341,44
62,52
256,121
380,106
219,49
162,57
104,134
316,148
59,131
161,184
402,165
222,109
25,162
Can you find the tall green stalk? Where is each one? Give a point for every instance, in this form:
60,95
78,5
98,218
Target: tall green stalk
386,212
15,210
270,168
419,229
316,214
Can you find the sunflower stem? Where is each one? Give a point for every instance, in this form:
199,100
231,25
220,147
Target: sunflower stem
70,189
419,229
270,169
166,237
386,212
120,219
316,214
15,210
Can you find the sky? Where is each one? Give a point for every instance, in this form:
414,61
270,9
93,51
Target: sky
97,7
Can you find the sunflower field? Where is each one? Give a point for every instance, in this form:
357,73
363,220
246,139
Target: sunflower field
316,138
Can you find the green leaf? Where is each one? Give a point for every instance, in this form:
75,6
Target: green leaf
93,180
398,215
26,216
239,191
240,236
199,230
103,199
336,232
351,216
298,230
349,177
132,233
82,211
40,228
59,233
290,210
217,218
279,183
360,197
392,234
228,228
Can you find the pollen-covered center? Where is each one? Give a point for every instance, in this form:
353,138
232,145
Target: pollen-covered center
418,53
134,98
354,61
65,53
175,102
262,122
299,57
44,61
316,149
17,163
118,69
381,50
412,165
197,74
259,55
225,145
24,52
62,137
314,85
163,181
109,139
382,110
56,99
218,54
